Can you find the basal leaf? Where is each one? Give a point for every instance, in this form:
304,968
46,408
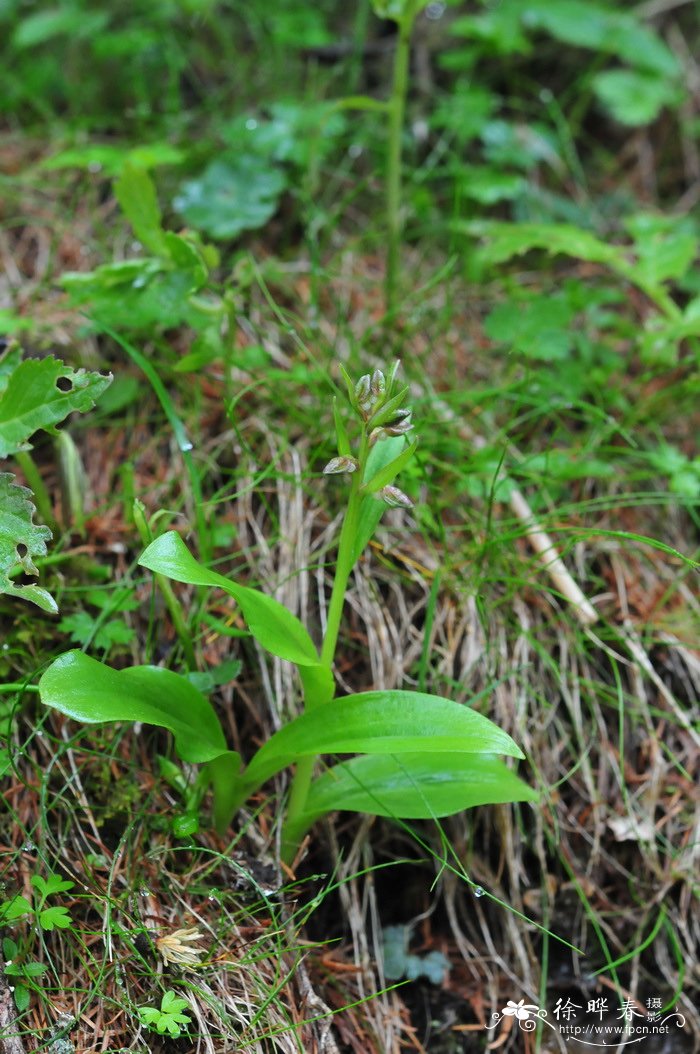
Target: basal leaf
414,786
21,540
280,632
93,693
394,722
39,394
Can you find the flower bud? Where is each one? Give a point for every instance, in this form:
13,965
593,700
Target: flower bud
378,385
363,392
399,427
395,498
341,464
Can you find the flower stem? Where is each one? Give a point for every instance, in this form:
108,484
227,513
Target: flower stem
397,108
344,564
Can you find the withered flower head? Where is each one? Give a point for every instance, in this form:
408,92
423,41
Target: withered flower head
176,947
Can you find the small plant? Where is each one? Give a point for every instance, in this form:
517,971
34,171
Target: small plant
169,1017
47,917
419,755
23,972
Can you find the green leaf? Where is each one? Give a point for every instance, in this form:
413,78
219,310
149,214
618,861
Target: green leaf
341,432
89,691
39,394
371,510
32,969
380,723
414,786
136,193
21,997
235,193
51,884
14,909
55,918
20,540
387,474
487,184
505,240
538,328
635,97
280,632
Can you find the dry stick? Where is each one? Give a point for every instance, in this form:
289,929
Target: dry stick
536,535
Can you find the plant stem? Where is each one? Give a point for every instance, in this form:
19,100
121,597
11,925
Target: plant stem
343,568
397,108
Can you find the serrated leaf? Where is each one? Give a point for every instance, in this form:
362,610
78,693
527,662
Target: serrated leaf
33,400
280,632
21,540
394,722
93,693
414,786
505,240
136,193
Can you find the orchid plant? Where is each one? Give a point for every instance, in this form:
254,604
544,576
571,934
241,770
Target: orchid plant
416,755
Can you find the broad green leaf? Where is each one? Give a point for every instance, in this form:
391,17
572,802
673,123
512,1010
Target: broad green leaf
139,294
136,193
389,473
280,632
505,240
380,723
371,510
39,394
414,786
635,97
235,193
9,361
20,540
93,693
